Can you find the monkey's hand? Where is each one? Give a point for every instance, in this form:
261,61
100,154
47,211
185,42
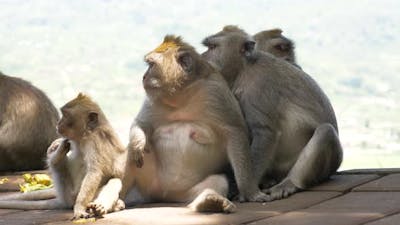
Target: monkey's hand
138,146
60,142
57,151
137,155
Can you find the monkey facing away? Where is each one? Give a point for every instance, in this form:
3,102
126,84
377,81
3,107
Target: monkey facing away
86,165
191,126
273,42
27,125
293,129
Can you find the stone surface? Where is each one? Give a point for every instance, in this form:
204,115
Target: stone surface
297,201
36,217
368,202
347,199
386,183
319,217
390,220
344,182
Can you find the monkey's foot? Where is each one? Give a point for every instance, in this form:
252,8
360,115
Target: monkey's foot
119,205
255,197
282,190
213,203
96,209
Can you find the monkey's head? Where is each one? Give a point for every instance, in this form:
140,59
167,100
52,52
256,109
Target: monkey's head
272,41
80,116
172,66
229,50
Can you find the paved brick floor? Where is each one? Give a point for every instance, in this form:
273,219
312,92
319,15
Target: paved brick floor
370,197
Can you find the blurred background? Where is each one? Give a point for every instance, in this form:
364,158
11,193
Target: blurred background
351,48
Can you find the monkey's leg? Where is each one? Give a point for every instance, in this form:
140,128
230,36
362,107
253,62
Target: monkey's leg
89,187
263,150
107,198
319,159
211,194
241,162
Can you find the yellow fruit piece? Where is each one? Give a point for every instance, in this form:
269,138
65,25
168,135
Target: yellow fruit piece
89,220
3,180
35,182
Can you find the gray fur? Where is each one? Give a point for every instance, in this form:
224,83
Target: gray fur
293,129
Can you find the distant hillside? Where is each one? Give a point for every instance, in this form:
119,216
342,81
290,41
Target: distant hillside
350,47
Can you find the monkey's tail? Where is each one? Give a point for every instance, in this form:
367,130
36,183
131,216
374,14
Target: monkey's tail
42,204
34,195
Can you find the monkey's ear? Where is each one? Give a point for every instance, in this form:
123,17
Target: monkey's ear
93,120
186,61
248,49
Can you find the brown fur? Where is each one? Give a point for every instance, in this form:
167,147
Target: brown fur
27,125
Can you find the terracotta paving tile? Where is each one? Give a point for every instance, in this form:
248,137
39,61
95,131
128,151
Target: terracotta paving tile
344,182
299,200
382,171
352,208
176,216
319,217
376,202
386,183
390,220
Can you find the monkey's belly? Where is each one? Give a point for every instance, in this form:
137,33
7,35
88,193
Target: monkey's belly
186,154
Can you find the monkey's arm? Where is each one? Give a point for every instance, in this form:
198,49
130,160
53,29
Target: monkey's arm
90,185
139,136
137,145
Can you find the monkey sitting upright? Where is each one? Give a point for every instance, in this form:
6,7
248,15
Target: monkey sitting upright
293,129
86,165
192,128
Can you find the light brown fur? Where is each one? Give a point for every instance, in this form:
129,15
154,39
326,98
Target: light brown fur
86,165
191,126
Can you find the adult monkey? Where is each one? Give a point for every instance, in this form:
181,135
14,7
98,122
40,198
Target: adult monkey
293,129
191,125
27,125
272,41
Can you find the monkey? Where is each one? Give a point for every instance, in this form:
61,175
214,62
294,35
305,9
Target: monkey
87,164
27,125
292,125
187,132
272,41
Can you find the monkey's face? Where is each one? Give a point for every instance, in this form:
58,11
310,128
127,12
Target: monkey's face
69,126
280,47
228,52
168,70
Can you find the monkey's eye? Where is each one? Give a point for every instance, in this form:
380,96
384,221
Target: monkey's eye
149,63
211,46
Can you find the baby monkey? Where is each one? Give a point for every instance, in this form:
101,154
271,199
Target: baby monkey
86,165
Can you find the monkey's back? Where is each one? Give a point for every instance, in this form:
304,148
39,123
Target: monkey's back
27,124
